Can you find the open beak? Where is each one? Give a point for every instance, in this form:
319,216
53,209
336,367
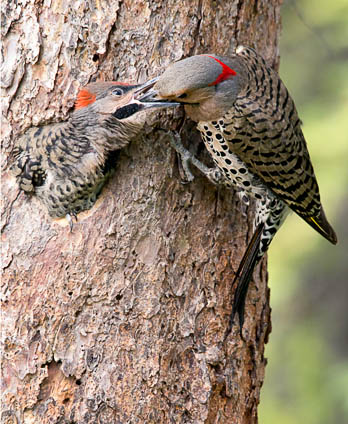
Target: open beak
143,98
144,87
147,97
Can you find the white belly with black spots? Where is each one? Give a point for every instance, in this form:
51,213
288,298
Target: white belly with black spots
233,169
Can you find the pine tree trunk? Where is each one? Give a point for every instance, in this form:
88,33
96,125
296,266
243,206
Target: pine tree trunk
123,320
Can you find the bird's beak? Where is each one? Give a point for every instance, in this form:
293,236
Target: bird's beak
143,98
148,97
144,87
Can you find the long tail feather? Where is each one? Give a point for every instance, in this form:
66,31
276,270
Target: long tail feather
243,277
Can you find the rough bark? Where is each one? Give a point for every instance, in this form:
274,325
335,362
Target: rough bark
122,320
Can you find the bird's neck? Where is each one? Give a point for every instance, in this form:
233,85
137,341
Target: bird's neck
119,133
103,133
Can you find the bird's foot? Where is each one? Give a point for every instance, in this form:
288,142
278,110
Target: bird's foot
213,174
245,202
69,217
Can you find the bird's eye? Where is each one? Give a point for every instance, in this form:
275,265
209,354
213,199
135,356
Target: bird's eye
182,96
117,92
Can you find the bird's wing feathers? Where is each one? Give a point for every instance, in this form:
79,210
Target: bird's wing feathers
53,147
27,165
277,153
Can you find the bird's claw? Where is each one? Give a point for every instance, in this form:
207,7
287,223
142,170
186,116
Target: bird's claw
213,174
185,159
69,217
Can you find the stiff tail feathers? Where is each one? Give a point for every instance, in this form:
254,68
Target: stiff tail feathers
243,277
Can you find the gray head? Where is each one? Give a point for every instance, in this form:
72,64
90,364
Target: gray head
101,102
206,84
108,112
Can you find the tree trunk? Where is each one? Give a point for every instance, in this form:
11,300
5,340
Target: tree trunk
123,320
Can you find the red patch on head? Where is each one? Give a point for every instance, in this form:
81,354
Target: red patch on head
84,98
226,73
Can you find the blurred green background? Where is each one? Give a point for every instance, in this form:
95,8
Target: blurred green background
307,373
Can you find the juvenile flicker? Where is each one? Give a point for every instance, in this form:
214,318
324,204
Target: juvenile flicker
66,164
251,129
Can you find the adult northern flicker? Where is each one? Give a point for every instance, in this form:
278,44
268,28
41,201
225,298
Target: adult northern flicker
67,164
250,127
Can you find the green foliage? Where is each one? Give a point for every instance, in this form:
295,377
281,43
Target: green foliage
307,374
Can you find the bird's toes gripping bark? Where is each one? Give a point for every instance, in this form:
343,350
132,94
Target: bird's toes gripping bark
213,174
69,217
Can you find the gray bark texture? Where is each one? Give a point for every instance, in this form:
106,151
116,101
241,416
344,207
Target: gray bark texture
123,320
